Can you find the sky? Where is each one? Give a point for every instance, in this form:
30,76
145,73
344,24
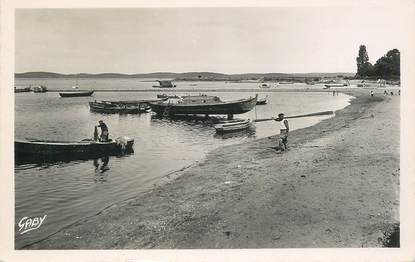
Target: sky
223,40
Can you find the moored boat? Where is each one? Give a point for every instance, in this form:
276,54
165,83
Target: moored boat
88,148
76,93
204,105
39,89
232,125
22,89
265,85
118,108
165,84
326,86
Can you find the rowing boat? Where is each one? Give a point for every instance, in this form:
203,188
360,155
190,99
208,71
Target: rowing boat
22,89
47,149
232,125
265,85
76,93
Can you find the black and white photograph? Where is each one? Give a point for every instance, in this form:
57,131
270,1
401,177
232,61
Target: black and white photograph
208,128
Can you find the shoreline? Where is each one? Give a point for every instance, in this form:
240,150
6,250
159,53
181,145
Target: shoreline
200,215
231,90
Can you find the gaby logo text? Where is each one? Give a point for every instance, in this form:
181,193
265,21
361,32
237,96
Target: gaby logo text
27,224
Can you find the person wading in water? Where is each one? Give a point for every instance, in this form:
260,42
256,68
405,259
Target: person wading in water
104,131
284,129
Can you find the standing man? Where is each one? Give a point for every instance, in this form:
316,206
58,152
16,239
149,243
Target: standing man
284,129
104,131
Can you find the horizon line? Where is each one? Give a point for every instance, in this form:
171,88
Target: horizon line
169,72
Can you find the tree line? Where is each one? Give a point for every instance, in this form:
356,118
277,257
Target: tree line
386,67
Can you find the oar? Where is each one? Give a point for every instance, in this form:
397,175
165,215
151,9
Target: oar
297,116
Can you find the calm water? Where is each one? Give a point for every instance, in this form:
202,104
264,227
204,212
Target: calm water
68,192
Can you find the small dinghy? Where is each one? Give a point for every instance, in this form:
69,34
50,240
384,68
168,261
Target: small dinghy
264,85
232,125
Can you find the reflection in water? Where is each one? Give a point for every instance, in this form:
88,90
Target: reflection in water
101,166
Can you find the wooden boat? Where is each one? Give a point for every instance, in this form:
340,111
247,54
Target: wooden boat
204,105
165,84
118,108
76,93
47,149
22,89
39,89
262,101
232,125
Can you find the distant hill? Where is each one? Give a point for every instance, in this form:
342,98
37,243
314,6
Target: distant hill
185,76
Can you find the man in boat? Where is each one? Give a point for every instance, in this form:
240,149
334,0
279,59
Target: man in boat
104,131
284,129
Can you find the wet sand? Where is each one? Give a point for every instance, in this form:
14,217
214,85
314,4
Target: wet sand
337,186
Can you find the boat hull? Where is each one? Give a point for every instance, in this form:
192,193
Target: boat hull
42,151
76,94
22,90
232,126
119,108
220,108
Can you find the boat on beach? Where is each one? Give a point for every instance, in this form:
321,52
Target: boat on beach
87,148
203,105
118,107
76,93
232,125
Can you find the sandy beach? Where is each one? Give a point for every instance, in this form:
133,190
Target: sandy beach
337,186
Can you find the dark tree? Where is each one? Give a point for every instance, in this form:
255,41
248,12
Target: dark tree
388,66
364,67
